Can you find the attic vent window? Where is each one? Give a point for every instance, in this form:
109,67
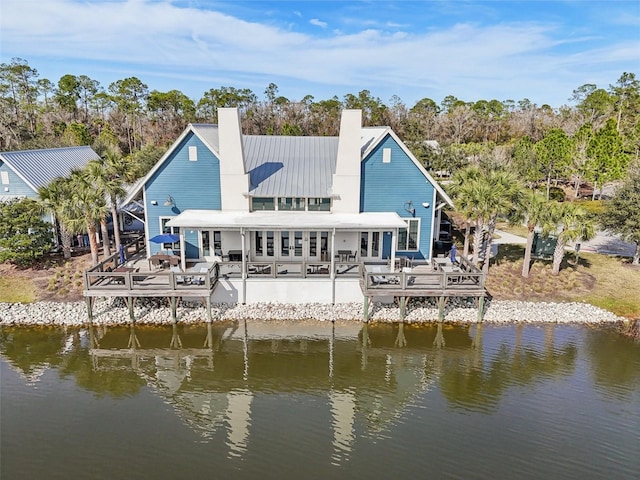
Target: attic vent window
193,154
386,155
5,178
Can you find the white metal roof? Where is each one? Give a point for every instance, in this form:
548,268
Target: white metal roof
219,220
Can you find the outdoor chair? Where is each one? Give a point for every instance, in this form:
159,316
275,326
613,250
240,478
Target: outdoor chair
179,278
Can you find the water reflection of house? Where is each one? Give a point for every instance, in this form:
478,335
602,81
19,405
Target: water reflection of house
213,389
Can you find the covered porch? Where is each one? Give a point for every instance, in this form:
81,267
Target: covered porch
277,243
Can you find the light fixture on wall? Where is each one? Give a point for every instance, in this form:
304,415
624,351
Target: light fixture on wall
154,202
425,204
408,206
169,202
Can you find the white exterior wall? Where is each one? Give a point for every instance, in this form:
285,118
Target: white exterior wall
234,182
347,241
291,290
346,180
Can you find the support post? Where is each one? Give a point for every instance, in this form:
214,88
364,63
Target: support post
403,307
90,308
173,301
130,301
480,309
441,308
209,316
366,309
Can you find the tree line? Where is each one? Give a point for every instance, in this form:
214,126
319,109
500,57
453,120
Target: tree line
492,146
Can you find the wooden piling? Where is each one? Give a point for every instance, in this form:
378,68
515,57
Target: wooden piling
441,301
480,309
89,301
366,309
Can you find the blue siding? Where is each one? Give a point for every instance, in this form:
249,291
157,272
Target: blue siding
192,185
386,187
17,186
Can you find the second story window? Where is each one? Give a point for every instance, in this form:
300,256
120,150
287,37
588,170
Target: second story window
262,203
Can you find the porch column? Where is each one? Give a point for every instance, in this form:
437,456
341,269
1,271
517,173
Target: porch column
394,235
333,254
243,247
183,260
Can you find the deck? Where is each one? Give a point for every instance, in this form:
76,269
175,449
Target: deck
139,277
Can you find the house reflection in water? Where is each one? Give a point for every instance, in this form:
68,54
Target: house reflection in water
213,374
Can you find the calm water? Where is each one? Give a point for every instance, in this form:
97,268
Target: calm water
272,400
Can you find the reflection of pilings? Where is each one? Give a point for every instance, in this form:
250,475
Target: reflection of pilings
365,344
175,338
439,342
133,345
331,344
245,353
401,341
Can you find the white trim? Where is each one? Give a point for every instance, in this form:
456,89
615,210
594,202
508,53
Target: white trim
407,221
436,214
269,220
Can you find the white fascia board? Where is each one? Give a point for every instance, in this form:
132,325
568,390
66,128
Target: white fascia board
221,220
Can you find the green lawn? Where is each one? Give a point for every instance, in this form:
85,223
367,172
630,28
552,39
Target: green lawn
16,289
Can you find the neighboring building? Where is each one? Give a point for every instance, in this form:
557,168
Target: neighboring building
361,196
23,172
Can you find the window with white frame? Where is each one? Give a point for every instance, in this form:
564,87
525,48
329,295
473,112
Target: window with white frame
193,153
164,228
4,175
409,238
319,204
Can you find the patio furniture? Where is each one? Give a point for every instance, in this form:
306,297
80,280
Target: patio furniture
235,255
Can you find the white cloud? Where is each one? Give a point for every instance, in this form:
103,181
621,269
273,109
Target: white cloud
166,41
318,23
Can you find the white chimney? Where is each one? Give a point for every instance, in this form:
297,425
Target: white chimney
234,182
346,180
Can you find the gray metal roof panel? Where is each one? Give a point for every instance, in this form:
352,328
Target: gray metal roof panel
209,133
39,167
290,166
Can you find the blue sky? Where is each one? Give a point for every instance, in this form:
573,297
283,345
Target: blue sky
474,50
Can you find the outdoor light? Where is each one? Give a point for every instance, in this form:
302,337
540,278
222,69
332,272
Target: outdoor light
425,204
154,202
408,206
169,201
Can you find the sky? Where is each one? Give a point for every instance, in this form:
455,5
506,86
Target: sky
473,50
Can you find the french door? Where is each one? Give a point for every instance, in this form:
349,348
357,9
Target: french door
290,245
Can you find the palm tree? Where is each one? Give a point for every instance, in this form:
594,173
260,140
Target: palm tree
464,192
533,209
88,206
574,224
108,177
503,194
55,198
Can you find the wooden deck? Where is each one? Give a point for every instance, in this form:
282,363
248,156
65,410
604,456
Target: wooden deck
137,278
440,279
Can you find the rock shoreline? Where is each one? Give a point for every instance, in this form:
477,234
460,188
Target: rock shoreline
155,312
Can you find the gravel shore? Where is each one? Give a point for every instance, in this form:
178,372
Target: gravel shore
155,312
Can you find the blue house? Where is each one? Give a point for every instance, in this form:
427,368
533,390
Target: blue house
358,197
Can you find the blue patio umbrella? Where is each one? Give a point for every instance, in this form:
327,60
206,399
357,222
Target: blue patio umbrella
165,238
453,253
121,253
